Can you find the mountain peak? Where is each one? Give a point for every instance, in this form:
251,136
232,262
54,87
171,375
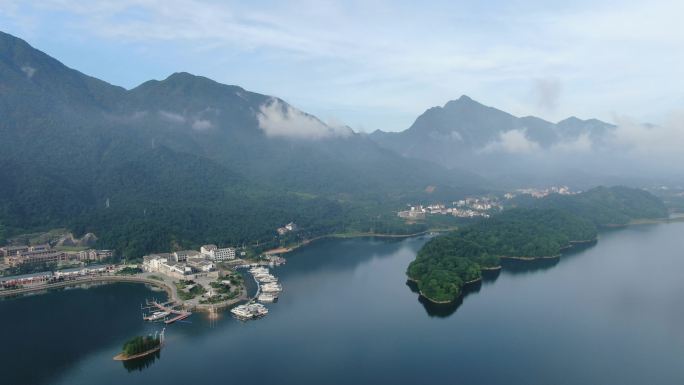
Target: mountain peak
570,120
463,100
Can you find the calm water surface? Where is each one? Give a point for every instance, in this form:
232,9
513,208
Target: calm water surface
610,314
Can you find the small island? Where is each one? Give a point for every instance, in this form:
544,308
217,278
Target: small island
534,229
140,346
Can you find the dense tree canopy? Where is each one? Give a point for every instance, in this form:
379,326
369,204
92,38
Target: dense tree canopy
542,229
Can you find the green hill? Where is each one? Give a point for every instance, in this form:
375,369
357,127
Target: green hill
542,229
185,161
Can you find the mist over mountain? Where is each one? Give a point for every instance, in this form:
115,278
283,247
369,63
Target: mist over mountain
523,150
184,160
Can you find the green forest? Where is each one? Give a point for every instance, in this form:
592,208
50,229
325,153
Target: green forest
92,157
140,344
537,229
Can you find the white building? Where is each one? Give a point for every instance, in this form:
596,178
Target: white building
207,249
183,255
222,254
201,265
152,263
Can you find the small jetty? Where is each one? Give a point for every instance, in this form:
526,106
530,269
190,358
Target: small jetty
165,311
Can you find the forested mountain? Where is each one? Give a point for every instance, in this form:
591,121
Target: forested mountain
540,229
184,160
604,206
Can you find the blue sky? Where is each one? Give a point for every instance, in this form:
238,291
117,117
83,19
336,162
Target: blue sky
379,64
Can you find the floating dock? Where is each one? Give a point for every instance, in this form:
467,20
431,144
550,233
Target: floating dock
168,307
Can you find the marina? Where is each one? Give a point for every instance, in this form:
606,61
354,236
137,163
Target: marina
164,310
267,291
382,335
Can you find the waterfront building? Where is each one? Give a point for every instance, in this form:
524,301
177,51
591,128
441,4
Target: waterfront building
152,263
207,249
30,257
183,255
82,271
223,254
26,279
201,265
7,251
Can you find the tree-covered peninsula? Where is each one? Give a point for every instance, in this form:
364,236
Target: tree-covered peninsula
540,229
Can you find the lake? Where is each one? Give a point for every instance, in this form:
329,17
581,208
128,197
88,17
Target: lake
612,313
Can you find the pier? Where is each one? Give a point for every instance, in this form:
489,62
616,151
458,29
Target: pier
170,308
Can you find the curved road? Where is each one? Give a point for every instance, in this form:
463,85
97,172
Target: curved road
170,289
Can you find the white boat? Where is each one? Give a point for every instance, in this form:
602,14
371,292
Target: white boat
157,315
267,297
266,278
258,270
242,311
257,309
271,288
249,311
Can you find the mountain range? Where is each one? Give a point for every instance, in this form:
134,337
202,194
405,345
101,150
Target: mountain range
467,134
185,160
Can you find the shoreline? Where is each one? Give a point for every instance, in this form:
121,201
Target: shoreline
646,221
103,279
122,357
460,294
283,250
170,291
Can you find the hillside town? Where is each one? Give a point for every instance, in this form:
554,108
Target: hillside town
465,208
482,207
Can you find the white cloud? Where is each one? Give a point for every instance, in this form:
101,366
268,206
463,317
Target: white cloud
171,117
29,71
278,119
581,144
202,125
546,92
512,142
650,141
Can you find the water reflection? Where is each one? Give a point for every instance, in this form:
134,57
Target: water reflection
519,266
443,310
142,363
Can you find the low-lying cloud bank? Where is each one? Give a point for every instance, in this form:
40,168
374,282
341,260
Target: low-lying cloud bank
278,119
627,148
